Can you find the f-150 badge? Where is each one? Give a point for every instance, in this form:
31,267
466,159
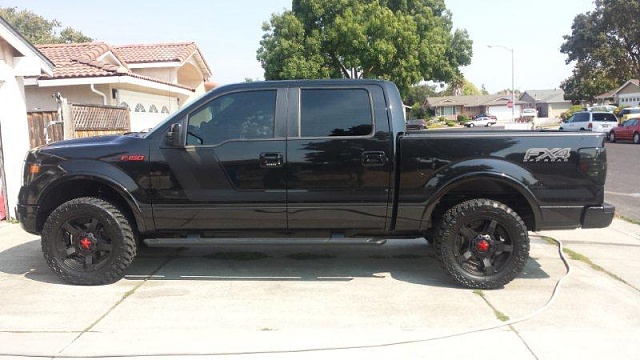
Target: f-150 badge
547,155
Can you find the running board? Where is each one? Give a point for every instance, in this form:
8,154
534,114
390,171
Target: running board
198,241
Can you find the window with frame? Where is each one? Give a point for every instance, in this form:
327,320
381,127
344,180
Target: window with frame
580,117
235,116
335,112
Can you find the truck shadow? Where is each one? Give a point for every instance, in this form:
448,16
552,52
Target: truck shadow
411,261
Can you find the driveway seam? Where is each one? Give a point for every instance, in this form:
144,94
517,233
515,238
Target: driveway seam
124,297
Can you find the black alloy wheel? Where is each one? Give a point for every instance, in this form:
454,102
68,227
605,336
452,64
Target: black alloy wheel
88,241
482,244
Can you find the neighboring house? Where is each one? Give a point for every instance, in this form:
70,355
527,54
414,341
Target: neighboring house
606,98
628,94
18,60
152,80
549,103
470,105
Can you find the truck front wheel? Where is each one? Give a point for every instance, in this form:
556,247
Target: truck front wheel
88,241
482,243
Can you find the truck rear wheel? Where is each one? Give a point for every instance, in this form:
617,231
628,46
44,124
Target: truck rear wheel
482,244
88,241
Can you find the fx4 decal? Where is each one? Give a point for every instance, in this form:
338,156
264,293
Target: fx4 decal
547,155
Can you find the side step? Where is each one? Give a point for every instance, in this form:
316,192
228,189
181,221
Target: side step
199,241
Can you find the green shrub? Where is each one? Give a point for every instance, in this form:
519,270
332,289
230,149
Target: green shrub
463,118
442,119
451,123
567,114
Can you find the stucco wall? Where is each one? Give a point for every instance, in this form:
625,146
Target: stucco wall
13,126
41,99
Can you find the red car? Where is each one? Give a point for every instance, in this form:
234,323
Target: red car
629,130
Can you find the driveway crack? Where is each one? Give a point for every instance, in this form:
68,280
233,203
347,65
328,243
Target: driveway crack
122,299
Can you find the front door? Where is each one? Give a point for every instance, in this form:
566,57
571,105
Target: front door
231,173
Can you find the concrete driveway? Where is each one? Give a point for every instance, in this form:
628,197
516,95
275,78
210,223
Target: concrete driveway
292,302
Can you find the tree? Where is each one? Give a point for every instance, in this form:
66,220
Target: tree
605,45
401,40
38,30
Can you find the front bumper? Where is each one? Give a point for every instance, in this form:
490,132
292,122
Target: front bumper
594,217
26,215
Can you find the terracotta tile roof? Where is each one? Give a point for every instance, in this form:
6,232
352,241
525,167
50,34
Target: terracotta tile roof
145,53
84,60
167,52
81,60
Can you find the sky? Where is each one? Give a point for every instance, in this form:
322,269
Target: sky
228,33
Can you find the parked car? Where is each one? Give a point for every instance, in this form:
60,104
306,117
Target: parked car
629,113
597,121
528,113
629,131
417,124
491,116
481,121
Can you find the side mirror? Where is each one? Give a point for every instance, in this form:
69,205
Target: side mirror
175,135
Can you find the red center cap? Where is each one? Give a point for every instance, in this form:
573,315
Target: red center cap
483,245
86,243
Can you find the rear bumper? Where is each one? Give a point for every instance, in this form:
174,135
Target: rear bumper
597,216
26,215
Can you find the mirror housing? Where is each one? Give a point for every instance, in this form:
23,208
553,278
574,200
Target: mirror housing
175,135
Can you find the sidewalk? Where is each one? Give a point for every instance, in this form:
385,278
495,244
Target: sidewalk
376,302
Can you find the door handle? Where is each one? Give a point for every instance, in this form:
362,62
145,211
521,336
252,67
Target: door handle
374,158
271,160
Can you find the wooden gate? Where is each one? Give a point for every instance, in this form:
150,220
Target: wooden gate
87,120
43,124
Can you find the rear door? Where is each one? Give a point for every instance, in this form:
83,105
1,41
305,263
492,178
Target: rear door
339,154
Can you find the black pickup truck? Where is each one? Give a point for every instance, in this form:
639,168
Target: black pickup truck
309,161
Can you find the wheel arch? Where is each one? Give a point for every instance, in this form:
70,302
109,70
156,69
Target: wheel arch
494,186
81,185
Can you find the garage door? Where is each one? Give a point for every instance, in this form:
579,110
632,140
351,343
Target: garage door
503,113
147,110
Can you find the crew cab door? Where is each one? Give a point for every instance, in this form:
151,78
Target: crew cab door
339,158
230,173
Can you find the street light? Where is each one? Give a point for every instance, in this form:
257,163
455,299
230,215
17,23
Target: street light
513,88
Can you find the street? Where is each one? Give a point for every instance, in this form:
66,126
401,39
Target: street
621,188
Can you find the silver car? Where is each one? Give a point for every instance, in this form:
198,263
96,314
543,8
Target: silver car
598,121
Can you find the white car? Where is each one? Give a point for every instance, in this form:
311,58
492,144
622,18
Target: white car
528,113
481,121
598,121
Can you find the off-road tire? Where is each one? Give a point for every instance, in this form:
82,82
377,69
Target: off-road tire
109,242
457,244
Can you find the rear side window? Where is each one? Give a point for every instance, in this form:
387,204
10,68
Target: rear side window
335,112
581,117
604,117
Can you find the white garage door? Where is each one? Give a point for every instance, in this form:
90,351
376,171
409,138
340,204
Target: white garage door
147,110
503,113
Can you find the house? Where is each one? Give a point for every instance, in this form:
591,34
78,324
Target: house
18,60
470,105
628,94
152,80
548,103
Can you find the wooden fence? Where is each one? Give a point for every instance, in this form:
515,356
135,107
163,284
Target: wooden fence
87,120
38,122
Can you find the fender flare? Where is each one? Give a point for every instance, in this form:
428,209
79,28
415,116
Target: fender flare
502,178
116,179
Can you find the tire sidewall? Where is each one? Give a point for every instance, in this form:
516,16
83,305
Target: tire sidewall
467,212
116,228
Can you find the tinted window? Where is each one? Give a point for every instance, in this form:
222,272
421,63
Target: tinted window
604,117
242,115
580,117
335,112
